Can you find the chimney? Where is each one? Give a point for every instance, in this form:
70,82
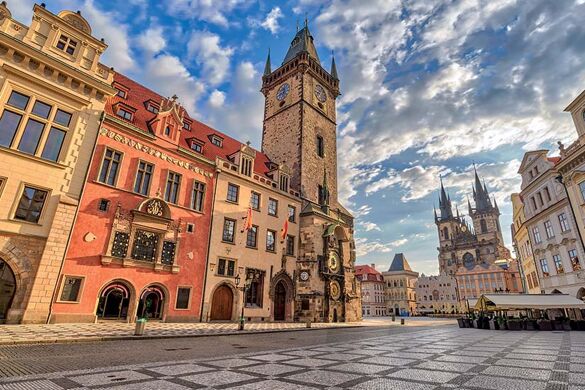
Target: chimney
373,265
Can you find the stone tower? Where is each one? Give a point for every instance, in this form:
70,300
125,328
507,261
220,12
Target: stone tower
300,127
485,215
300,132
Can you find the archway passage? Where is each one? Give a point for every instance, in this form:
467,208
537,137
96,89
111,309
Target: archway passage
151,303
114,302
279,302
581,294
222,304
7,289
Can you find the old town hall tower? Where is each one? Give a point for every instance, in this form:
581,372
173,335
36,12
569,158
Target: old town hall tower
300,133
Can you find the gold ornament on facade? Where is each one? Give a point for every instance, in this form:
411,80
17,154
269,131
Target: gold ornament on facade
335,290
154,207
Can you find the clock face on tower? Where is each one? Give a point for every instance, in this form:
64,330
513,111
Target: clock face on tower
282,91
320,93
333,262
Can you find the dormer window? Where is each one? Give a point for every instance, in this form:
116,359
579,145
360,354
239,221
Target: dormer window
121,93
66,44
152,108
217,141
283,182
123,113
197,147
246,166
186,125
168,131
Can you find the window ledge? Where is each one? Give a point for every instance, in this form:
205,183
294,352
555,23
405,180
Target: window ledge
128,262
33,157
231,201
228,242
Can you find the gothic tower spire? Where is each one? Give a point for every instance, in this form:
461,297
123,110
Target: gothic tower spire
445,203
267,67
333,67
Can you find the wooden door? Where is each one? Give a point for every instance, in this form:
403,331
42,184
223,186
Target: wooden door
279,302
222,304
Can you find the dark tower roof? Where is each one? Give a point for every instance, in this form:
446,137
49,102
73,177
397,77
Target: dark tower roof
481,195
302,42
267,67
399,263
446,211
333,68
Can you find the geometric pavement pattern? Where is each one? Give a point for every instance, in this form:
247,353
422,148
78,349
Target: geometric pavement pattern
50,333
431,359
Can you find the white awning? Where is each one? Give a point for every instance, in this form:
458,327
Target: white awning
528,301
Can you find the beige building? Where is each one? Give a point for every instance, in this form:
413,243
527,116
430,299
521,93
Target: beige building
436,295
523,249
555,241
52,95
485,278
400,281
372,287
250,186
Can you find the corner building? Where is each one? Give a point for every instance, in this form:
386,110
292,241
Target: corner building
300,131
139,245
52,94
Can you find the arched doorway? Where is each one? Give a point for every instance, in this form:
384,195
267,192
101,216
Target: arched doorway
396,310
151,303
581,294
222,304
114,302
334,315
7,289
279,302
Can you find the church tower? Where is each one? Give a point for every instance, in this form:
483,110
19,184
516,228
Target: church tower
300,127
300,132
485,215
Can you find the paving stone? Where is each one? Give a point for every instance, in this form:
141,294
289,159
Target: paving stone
517,372
525,363
359,368
385,383
495,383
424,375
218,378
109,378
310,362
320,377
270,369
271,385
445,366
232,362
31,385
154,385
387,360
179,369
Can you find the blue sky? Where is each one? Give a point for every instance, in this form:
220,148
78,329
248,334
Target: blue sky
428,87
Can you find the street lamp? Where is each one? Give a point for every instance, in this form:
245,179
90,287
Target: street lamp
243,289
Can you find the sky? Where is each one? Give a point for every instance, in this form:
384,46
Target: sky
429,88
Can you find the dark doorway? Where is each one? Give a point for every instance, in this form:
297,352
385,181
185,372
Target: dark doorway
114,302
279,302
397,311
151,304
7,289
334,315
222,304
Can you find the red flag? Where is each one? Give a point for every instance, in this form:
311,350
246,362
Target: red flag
248,223
284,230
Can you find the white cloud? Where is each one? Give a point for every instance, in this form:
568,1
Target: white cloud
212,11
369,226
152,40
205,47
168,76
270,23
217,99
365,246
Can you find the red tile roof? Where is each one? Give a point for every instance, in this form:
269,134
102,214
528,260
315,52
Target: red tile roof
369,272
554,160
137,97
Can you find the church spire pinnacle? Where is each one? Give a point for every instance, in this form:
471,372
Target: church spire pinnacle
267,67
333,67
445,203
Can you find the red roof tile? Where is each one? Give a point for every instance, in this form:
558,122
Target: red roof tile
554,160
370,271
137,97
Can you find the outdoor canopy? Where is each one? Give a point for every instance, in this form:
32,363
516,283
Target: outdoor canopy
528,301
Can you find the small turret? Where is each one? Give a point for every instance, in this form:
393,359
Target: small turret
333,67
267,67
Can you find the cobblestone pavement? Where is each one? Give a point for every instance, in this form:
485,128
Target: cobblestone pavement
51,333
432,358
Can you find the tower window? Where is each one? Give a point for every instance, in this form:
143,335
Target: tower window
320,146
445,233
168,131
483,225
283,183
246,166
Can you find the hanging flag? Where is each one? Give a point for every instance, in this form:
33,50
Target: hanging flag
284,230
248,223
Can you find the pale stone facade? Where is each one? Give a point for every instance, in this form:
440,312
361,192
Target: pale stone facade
372,286
436,295
52,95
300,131
273,269
502,276
400,281
523,249
554,239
